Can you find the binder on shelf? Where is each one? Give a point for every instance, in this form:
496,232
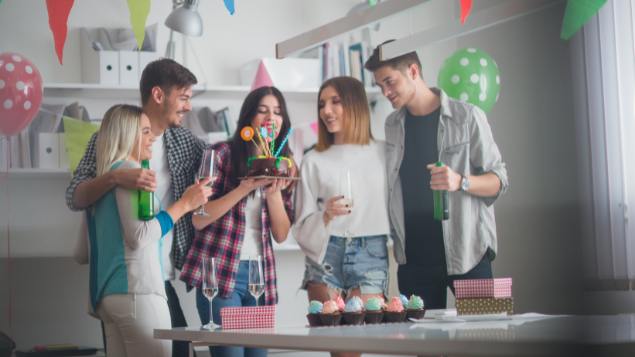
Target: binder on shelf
98,66
129,68
47,151
63,152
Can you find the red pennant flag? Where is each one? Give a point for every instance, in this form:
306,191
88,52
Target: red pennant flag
58,17
466,6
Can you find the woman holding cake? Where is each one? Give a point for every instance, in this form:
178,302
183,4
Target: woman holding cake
338,264
244,215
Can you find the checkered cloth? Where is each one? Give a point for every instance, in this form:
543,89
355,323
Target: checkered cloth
483,288
184,157
248,317
223,239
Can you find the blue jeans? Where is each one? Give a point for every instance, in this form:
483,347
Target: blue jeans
431,282
350,263
240,297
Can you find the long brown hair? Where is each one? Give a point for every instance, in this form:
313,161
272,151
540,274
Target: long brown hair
240,152
356,113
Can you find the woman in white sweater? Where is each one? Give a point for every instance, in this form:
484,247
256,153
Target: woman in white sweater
127,290
339,264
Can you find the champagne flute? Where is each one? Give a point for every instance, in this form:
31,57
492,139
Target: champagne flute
206,170
210,286
256,277
347,193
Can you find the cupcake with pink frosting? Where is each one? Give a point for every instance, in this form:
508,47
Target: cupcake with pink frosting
395,311
331,315
340,303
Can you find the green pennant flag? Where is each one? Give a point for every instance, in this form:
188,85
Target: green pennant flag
139,10
578,12
372,2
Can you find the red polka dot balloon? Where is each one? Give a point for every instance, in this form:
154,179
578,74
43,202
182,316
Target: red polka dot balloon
20,93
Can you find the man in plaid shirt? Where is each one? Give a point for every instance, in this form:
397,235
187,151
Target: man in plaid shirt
165,93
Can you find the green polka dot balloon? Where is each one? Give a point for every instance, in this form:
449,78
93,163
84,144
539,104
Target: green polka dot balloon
471,75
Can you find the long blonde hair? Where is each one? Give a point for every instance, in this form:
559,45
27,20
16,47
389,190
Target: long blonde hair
356,113
119,130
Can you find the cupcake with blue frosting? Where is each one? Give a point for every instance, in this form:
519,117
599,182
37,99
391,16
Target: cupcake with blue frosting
315,309
354,311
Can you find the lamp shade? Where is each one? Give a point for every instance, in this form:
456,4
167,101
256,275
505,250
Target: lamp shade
185,19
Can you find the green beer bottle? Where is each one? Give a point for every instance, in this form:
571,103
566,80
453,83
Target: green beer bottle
146,199
441,202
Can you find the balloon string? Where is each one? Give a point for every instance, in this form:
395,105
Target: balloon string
8,244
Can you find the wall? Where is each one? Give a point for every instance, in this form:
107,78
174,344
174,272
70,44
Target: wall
538,223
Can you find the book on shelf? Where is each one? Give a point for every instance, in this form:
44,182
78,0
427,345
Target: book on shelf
340,59
356,61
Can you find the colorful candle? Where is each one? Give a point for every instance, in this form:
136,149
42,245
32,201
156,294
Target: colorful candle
283,142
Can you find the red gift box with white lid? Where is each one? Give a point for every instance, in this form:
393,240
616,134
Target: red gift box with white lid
248,317
483,288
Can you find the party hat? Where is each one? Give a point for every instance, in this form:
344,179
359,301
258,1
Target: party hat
262,78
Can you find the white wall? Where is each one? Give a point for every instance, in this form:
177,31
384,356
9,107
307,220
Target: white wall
538,223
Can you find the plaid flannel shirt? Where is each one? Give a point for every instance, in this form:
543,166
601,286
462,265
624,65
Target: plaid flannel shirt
223,239
184,156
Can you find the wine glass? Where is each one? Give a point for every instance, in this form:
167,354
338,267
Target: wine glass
210,286
206,170
346,192
256,277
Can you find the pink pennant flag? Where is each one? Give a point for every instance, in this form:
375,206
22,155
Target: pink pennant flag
466,6
262,78
58,17
314,127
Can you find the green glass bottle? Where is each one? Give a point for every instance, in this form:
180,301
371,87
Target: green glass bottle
146,199
441,202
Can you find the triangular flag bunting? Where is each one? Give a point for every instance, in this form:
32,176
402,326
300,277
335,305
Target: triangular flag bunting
139,10
229,4
58,17
466,6
314,127
262,78
578,12
372,2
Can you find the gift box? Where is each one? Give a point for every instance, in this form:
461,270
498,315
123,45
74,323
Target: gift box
248,317
483,288
484,306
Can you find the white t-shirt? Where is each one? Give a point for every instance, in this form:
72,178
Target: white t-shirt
159,164
252,241
320,172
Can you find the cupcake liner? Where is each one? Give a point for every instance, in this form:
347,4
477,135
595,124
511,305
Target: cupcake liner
395,316
356,318
416,314
331,319
314,320
373,317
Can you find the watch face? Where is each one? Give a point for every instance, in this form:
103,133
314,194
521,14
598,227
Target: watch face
465,184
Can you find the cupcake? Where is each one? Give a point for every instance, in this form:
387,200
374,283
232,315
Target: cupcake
373,314
404,299
353,312
395,311
340,303
331,315
414,308
315,309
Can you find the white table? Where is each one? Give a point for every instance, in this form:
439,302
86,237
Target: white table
562,336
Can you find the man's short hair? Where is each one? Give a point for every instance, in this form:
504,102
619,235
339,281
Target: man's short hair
401,63
165,74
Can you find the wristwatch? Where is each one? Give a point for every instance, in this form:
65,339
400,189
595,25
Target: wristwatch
465,183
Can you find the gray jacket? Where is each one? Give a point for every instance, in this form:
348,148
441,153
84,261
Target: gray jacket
466,145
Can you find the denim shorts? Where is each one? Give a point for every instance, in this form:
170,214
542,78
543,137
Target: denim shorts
350,263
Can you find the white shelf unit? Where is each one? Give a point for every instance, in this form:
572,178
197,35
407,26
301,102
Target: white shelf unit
39,173
98,91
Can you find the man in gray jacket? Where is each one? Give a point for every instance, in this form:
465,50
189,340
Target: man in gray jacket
429,127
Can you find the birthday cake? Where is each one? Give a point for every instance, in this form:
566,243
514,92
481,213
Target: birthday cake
268,164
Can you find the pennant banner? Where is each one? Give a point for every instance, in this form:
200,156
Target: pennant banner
58,17
372,2
229,4
139,10
578,12
466,6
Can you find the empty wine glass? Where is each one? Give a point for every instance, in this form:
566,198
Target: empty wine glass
206,170
256,277
210,286
347,193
